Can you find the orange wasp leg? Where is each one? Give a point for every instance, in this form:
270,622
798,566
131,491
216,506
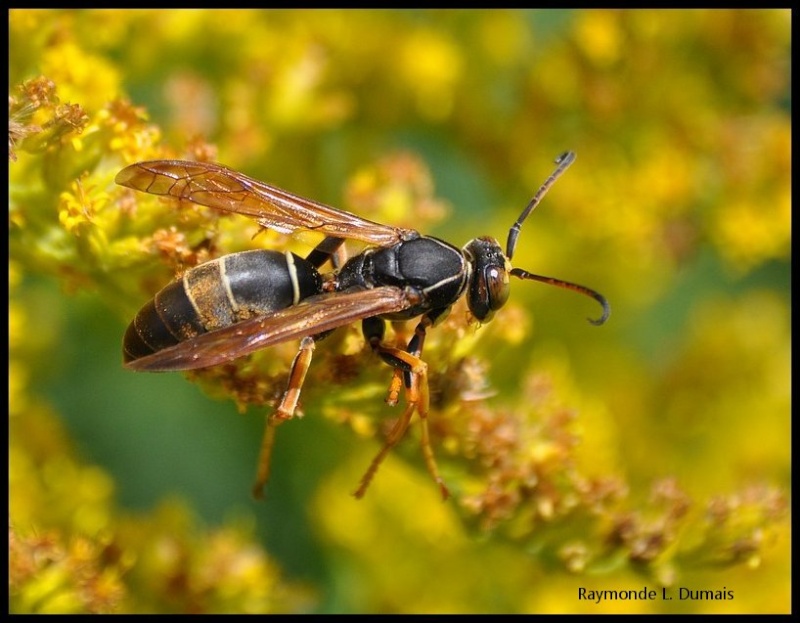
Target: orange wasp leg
407,363
396,384
284,411
330,248
394,387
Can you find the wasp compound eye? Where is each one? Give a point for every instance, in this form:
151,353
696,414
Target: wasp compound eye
488,292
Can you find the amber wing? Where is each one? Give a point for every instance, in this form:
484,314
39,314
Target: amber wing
313,316
216,186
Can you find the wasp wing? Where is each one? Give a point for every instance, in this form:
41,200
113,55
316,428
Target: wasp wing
313,316
219,187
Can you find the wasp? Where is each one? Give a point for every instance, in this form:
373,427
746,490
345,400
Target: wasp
234,305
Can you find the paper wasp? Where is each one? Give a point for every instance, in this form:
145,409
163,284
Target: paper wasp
239,303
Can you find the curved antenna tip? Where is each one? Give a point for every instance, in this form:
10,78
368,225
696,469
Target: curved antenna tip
566,156
568,285
606,311
563,162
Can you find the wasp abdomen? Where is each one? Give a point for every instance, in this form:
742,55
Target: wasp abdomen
218,294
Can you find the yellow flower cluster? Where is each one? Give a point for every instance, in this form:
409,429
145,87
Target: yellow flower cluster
575,455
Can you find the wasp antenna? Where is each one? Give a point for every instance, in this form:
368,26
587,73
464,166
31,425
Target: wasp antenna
563,161
523,274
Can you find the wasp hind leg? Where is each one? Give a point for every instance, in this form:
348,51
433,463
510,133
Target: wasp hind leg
284,411
411,372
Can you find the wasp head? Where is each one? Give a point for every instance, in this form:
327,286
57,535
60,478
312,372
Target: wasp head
488,287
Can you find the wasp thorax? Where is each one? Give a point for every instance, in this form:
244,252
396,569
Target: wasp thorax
488,286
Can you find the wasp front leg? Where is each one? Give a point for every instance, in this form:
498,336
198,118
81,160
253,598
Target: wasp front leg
412,372
399,376
284,411
374,333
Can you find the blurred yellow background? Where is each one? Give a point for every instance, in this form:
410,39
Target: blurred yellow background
651,452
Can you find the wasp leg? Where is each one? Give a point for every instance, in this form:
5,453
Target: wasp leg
410,368
374,330
284,411
400,376
396,383
395,435
329,249
415,349
415,346
394,387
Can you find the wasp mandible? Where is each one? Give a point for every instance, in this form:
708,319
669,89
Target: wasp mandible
239,303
